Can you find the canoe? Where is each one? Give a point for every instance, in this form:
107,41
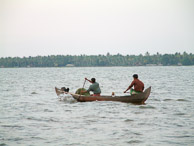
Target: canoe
136,98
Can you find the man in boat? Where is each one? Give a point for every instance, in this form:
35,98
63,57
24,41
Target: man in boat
95,88
138,85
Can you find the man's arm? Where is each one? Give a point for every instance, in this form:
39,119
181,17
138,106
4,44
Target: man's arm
88,80
84,91
89,89
129,87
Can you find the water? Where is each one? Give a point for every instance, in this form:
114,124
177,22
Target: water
32,114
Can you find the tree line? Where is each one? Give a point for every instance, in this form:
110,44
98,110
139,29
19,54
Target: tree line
99,60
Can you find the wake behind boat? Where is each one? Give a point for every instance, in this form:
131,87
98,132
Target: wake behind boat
136,98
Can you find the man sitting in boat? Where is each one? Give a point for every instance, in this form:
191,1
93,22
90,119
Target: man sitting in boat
138,85
95,88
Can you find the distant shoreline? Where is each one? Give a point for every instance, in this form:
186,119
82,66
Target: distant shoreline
108,60
97,66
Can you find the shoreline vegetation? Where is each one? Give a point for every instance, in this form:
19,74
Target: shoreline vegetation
107,60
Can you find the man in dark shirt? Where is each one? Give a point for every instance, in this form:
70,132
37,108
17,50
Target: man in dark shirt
138,85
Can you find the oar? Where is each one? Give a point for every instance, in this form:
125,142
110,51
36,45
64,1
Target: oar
83,86
84,83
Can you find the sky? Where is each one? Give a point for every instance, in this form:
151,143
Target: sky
92,27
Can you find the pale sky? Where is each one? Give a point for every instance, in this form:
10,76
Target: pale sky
92,27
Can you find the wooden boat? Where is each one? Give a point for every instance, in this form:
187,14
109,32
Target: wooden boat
136,98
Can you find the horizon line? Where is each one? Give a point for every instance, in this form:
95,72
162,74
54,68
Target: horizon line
97,54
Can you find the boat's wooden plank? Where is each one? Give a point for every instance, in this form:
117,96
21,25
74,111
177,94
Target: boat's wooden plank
137,98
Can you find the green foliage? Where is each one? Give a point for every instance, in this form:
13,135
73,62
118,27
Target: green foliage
78,91
99,60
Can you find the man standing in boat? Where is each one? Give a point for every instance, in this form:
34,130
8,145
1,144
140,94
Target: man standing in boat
138,85
95,88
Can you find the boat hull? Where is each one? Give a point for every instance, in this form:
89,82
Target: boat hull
136,99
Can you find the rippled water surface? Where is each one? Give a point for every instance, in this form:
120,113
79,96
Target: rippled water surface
32,114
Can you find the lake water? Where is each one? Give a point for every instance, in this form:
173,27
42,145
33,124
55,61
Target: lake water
32,114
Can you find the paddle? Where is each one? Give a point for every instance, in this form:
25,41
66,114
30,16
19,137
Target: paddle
83,85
